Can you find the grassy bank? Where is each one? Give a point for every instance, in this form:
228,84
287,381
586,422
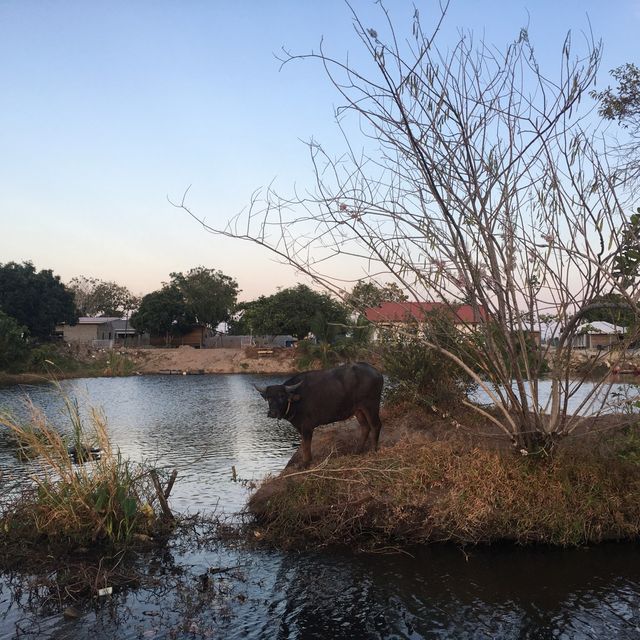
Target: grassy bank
60,361
421,490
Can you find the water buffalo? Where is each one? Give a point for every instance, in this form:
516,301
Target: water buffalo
319,397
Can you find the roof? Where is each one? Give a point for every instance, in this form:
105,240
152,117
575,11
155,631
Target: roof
415,312
121,325
89,320
599,326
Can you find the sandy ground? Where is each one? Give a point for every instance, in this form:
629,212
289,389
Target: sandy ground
189,360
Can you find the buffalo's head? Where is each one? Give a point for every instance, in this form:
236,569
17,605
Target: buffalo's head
280,398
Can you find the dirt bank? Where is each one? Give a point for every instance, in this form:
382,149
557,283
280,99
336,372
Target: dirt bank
190,360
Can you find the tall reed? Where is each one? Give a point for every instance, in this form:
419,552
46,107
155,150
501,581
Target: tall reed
82,490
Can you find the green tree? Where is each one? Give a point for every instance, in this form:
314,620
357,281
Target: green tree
627,263
36,299
163,313
622,105
368,294
13,344
111,299
297,311
614,309
209,295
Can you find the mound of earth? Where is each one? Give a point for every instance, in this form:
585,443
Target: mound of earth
437,477
189,360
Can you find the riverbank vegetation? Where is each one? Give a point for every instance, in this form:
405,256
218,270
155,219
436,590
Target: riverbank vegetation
440,478
41,363
87,522
81,493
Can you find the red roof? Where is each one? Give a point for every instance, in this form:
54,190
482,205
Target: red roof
415,312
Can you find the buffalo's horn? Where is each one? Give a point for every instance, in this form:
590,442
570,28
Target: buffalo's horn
260,390
292,387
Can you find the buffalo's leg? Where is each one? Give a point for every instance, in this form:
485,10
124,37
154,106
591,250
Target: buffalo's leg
373,420
364,429
306,447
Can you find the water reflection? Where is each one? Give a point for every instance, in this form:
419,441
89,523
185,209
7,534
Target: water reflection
202,425
609,397
439,592
443,592
205,424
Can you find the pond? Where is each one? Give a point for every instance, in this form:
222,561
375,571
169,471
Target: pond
204,426
585,397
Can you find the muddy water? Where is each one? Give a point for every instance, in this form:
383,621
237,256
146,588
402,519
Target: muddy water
205,425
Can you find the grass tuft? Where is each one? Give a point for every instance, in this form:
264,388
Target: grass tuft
76,499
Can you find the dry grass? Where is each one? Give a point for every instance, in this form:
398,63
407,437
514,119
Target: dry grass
419,491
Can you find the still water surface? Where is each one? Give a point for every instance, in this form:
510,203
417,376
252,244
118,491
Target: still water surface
204,425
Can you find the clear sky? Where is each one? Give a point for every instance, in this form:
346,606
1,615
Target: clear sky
108,107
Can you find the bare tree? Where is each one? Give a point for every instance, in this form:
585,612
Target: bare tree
470,177
94,296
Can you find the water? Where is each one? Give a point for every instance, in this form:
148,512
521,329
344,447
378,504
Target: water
201,425
585,398
204,425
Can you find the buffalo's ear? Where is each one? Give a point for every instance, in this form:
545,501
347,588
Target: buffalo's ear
293,397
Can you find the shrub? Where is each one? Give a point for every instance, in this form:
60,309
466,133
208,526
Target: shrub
328,354
420,375
119,364
46,358
13,346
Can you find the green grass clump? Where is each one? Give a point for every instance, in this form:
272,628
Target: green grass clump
629,448
118,364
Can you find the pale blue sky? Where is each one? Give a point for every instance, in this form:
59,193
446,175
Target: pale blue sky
108,107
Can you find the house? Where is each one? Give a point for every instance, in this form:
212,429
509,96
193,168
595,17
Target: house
598,335
390,315
97,332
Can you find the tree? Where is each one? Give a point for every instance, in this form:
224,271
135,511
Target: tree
37,300
297,311
210,295
13,344
94,297
626,267
623,106
368,294
111,299
163,313
82,288
616,311
477,179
